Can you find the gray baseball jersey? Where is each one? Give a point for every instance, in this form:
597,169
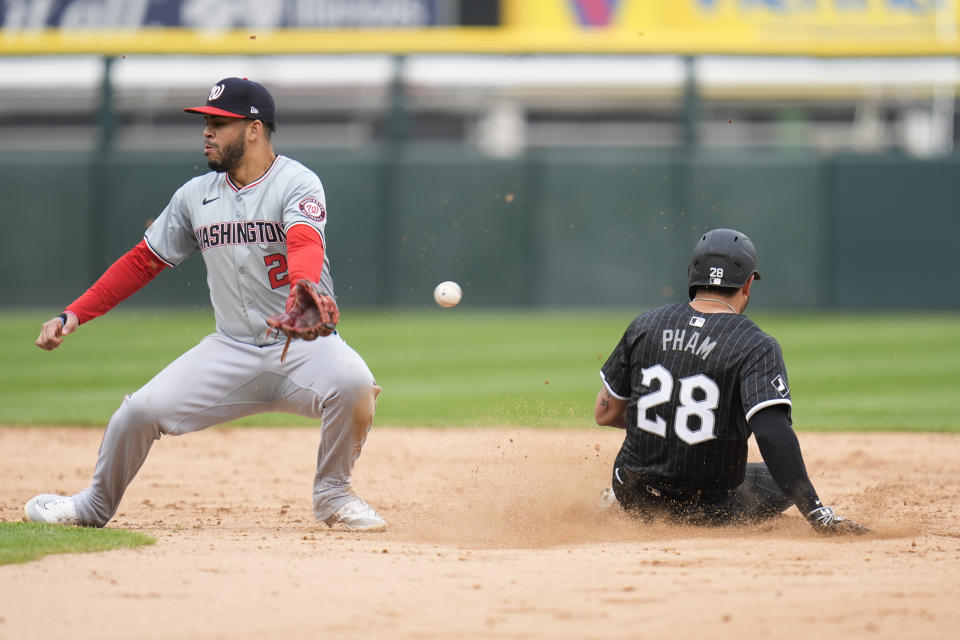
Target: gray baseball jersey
241,233
239,371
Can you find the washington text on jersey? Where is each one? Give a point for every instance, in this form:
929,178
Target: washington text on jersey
222,234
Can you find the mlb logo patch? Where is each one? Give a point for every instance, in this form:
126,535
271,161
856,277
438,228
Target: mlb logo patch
697,321
781,386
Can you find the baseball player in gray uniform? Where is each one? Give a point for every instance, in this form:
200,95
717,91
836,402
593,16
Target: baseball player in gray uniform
258,219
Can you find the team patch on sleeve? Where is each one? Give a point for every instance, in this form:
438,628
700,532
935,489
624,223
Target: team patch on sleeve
313,209
781,386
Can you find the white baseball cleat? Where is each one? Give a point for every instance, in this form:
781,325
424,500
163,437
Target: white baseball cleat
357,515
51,509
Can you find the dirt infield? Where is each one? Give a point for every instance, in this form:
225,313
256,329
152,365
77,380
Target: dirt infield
494,533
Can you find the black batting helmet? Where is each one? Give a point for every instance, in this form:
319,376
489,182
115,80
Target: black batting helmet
722,258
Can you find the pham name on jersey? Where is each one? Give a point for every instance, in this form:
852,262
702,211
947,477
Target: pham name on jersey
677,340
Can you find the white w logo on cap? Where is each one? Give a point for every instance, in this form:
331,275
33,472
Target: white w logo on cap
216,92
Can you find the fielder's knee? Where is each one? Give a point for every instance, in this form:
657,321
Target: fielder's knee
135,415
366,406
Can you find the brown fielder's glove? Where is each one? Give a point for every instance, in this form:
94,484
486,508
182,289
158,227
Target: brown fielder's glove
310,314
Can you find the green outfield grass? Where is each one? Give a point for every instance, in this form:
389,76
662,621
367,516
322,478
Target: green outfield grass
462,367
26,541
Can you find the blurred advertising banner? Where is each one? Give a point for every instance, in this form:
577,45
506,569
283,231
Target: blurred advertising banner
848,17
750,27
828,27
221,14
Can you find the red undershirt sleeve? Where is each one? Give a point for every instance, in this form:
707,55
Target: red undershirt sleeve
125,277
304,253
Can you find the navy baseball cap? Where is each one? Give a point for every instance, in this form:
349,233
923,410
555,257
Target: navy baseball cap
238,98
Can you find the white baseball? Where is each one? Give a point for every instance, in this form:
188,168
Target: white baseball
447,294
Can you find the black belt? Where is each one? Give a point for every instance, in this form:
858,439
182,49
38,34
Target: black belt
662,491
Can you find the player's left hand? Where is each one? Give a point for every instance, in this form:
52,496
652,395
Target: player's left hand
825,520
309,313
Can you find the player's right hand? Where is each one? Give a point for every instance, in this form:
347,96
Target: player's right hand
53,331
825,520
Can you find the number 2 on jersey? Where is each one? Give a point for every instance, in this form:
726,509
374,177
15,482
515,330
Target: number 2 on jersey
277,275
689,405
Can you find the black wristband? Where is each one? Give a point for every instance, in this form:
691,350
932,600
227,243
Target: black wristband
63,318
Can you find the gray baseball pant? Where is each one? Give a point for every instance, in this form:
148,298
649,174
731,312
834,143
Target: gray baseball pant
220,380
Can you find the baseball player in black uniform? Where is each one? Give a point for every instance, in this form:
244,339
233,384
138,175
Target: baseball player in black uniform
690,382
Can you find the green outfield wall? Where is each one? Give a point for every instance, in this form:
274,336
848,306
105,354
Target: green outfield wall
559,228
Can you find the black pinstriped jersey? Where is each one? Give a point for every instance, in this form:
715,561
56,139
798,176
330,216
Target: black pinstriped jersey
692,381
